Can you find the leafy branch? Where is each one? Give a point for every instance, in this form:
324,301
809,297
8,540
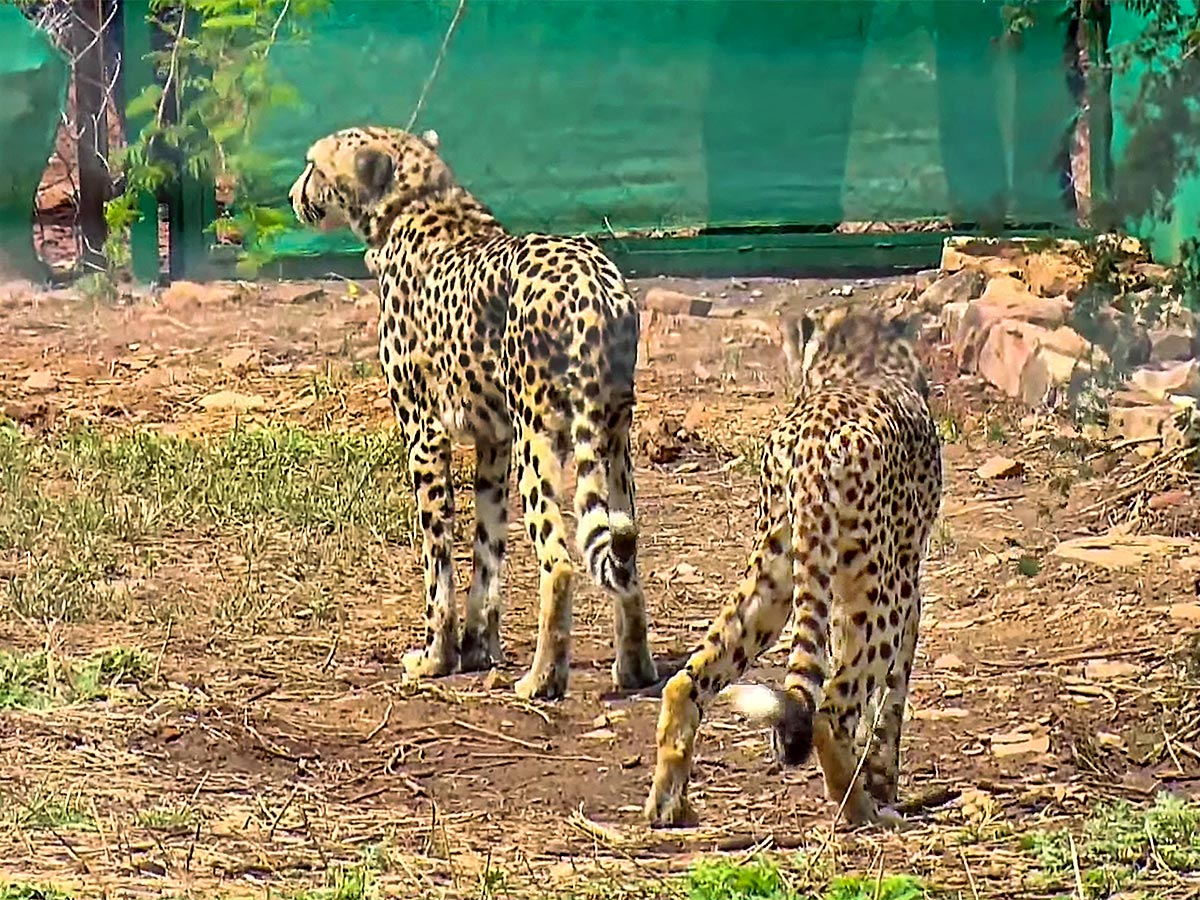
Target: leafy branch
212,91
1162,116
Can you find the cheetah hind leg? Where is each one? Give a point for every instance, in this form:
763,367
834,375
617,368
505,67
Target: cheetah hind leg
633,667
429,463
540,476
794,732
481,648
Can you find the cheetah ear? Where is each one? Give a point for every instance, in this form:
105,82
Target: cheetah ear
797,331
430,139
374,170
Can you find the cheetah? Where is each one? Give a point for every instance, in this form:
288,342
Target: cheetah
520,344
851,486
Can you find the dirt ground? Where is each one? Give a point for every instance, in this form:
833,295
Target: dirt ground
1043,683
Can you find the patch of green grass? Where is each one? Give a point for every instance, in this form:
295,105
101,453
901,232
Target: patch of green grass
24,891
1120,843
80,510
168,817
345,883
50,810
40,680
761,879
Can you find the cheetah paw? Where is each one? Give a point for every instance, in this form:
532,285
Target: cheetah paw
669,809
636,673
544,684
887,817
419,664
480,652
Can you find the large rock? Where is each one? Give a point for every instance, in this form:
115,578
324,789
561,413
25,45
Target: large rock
1163,380
1027,361
959,287
1005,299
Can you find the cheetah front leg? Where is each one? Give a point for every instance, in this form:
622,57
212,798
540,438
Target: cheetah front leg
429,466
481,632
749,624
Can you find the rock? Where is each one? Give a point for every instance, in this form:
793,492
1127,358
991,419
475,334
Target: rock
231,400
1004,298
959,287
1105,670
1133,421
1168,500
948,662
182,295
1006,351
950,318
695,418
986,255
675,303
1166,379
1000,467
1171,344
40,382
237,359
1188,613
1121,551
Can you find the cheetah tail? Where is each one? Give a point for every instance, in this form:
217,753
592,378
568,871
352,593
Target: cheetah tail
788,713
607,538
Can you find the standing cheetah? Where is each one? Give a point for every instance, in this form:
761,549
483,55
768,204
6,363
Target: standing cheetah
512,342
850,488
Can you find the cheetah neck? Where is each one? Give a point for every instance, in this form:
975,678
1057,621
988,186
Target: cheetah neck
444,215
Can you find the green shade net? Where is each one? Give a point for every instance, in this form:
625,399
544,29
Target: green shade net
601,116
33,90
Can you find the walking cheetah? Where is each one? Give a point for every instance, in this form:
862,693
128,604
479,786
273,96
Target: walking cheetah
851,485
512,342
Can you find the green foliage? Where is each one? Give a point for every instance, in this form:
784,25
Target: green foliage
1120,842
215,67
1162,116
37,681
761,879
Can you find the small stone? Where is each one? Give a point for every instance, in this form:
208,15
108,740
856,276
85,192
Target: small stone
948,662
676,303
694,418
233,401
1188,613
599,734
40,381
493,680
1104,670
1000,467
631,762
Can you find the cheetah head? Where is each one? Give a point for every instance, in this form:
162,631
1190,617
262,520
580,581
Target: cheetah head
363,177
860,339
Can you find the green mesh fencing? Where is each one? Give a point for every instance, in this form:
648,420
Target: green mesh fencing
651,116
33,89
